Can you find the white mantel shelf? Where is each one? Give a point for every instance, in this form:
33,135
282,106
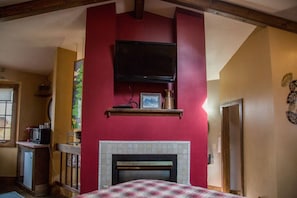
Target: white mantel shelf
144,112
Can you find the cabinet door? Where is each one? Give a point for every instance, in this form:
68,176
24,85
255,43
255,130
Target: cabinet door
28,166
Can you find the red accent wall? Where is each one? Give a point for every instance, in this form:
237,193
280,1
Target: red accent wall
191,89
103,28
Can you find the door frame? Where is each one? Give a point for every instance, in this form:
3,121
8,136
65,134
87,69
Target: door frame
224,109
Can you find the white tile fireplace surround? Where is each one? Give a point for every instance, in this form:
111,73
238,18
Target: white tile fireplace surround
108,148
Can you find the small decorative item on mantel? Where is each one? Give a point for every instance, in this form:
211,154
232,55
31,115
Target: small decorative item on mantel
150,100
169,101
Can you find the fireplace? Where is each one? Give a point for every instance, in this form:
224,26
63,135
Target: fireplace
149,166
108,149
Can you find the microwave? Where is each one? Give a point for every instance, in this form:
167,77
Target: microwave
40,136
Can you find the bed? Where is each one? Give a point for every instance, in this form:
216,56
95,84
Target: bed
144,188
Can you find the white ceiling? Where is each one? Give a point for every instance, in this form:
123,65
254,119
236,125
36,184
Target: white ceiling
29,44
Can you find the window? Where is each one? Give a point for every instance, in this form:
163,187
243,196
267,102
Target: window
8,114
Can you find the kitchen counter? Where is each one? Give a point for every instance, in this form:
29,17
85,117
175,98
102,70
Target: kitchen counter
32,144
33,167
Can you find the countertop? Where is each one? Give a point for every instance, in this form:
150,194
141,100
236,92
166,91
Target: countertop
32,145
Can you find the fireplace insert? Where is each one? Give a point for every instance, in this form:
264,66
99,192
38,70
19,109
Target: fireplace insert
143,166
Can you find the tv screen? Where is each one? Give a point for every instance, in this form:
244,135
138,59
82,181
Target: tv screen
138,61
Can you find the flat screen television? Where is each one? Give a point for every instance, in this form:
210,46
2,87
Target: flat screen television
139,61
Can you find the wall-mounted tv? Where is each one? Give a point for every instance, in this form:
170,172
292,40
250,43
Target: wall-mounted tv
139,61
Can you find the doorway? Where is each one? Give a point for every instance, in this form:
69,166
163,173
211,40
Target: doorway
232,147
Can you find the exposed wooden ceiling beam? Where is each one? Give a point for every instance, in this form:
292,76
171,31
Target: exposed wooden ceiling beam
238,12
248,15
35,7
139,8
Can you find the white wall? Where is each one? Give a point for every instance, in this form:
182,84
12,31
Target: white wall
214,119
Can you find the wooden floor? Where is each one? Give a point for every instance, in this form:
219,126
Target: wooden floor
8,188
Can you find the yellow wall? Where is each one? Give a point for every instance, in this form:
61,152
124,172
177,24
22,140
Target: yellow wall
62,102
248,75
255,73
31,112
62,94
284,60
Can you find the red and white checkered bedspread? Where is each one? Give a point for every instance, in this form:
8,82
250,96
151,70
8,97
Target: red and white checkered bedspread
155,188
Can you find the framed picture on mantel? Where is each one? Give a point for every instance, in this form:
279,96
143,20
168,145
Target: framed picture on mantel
150,100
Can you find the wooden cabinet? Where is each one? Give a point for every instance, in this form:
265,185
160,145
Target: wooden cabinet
33,167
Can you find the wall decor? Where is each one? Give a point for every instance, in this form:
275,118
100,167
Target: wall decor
150,100
77,94
291,98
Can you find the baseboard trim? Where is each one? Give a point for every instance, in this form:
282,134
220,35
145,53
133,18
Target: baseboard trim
8,180
217,188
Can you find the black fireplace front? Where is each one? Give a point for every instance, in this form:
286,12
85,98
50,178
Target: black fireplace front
143,166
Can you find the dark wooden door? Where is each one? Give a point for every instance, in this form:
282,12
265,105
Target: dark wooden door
232,147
